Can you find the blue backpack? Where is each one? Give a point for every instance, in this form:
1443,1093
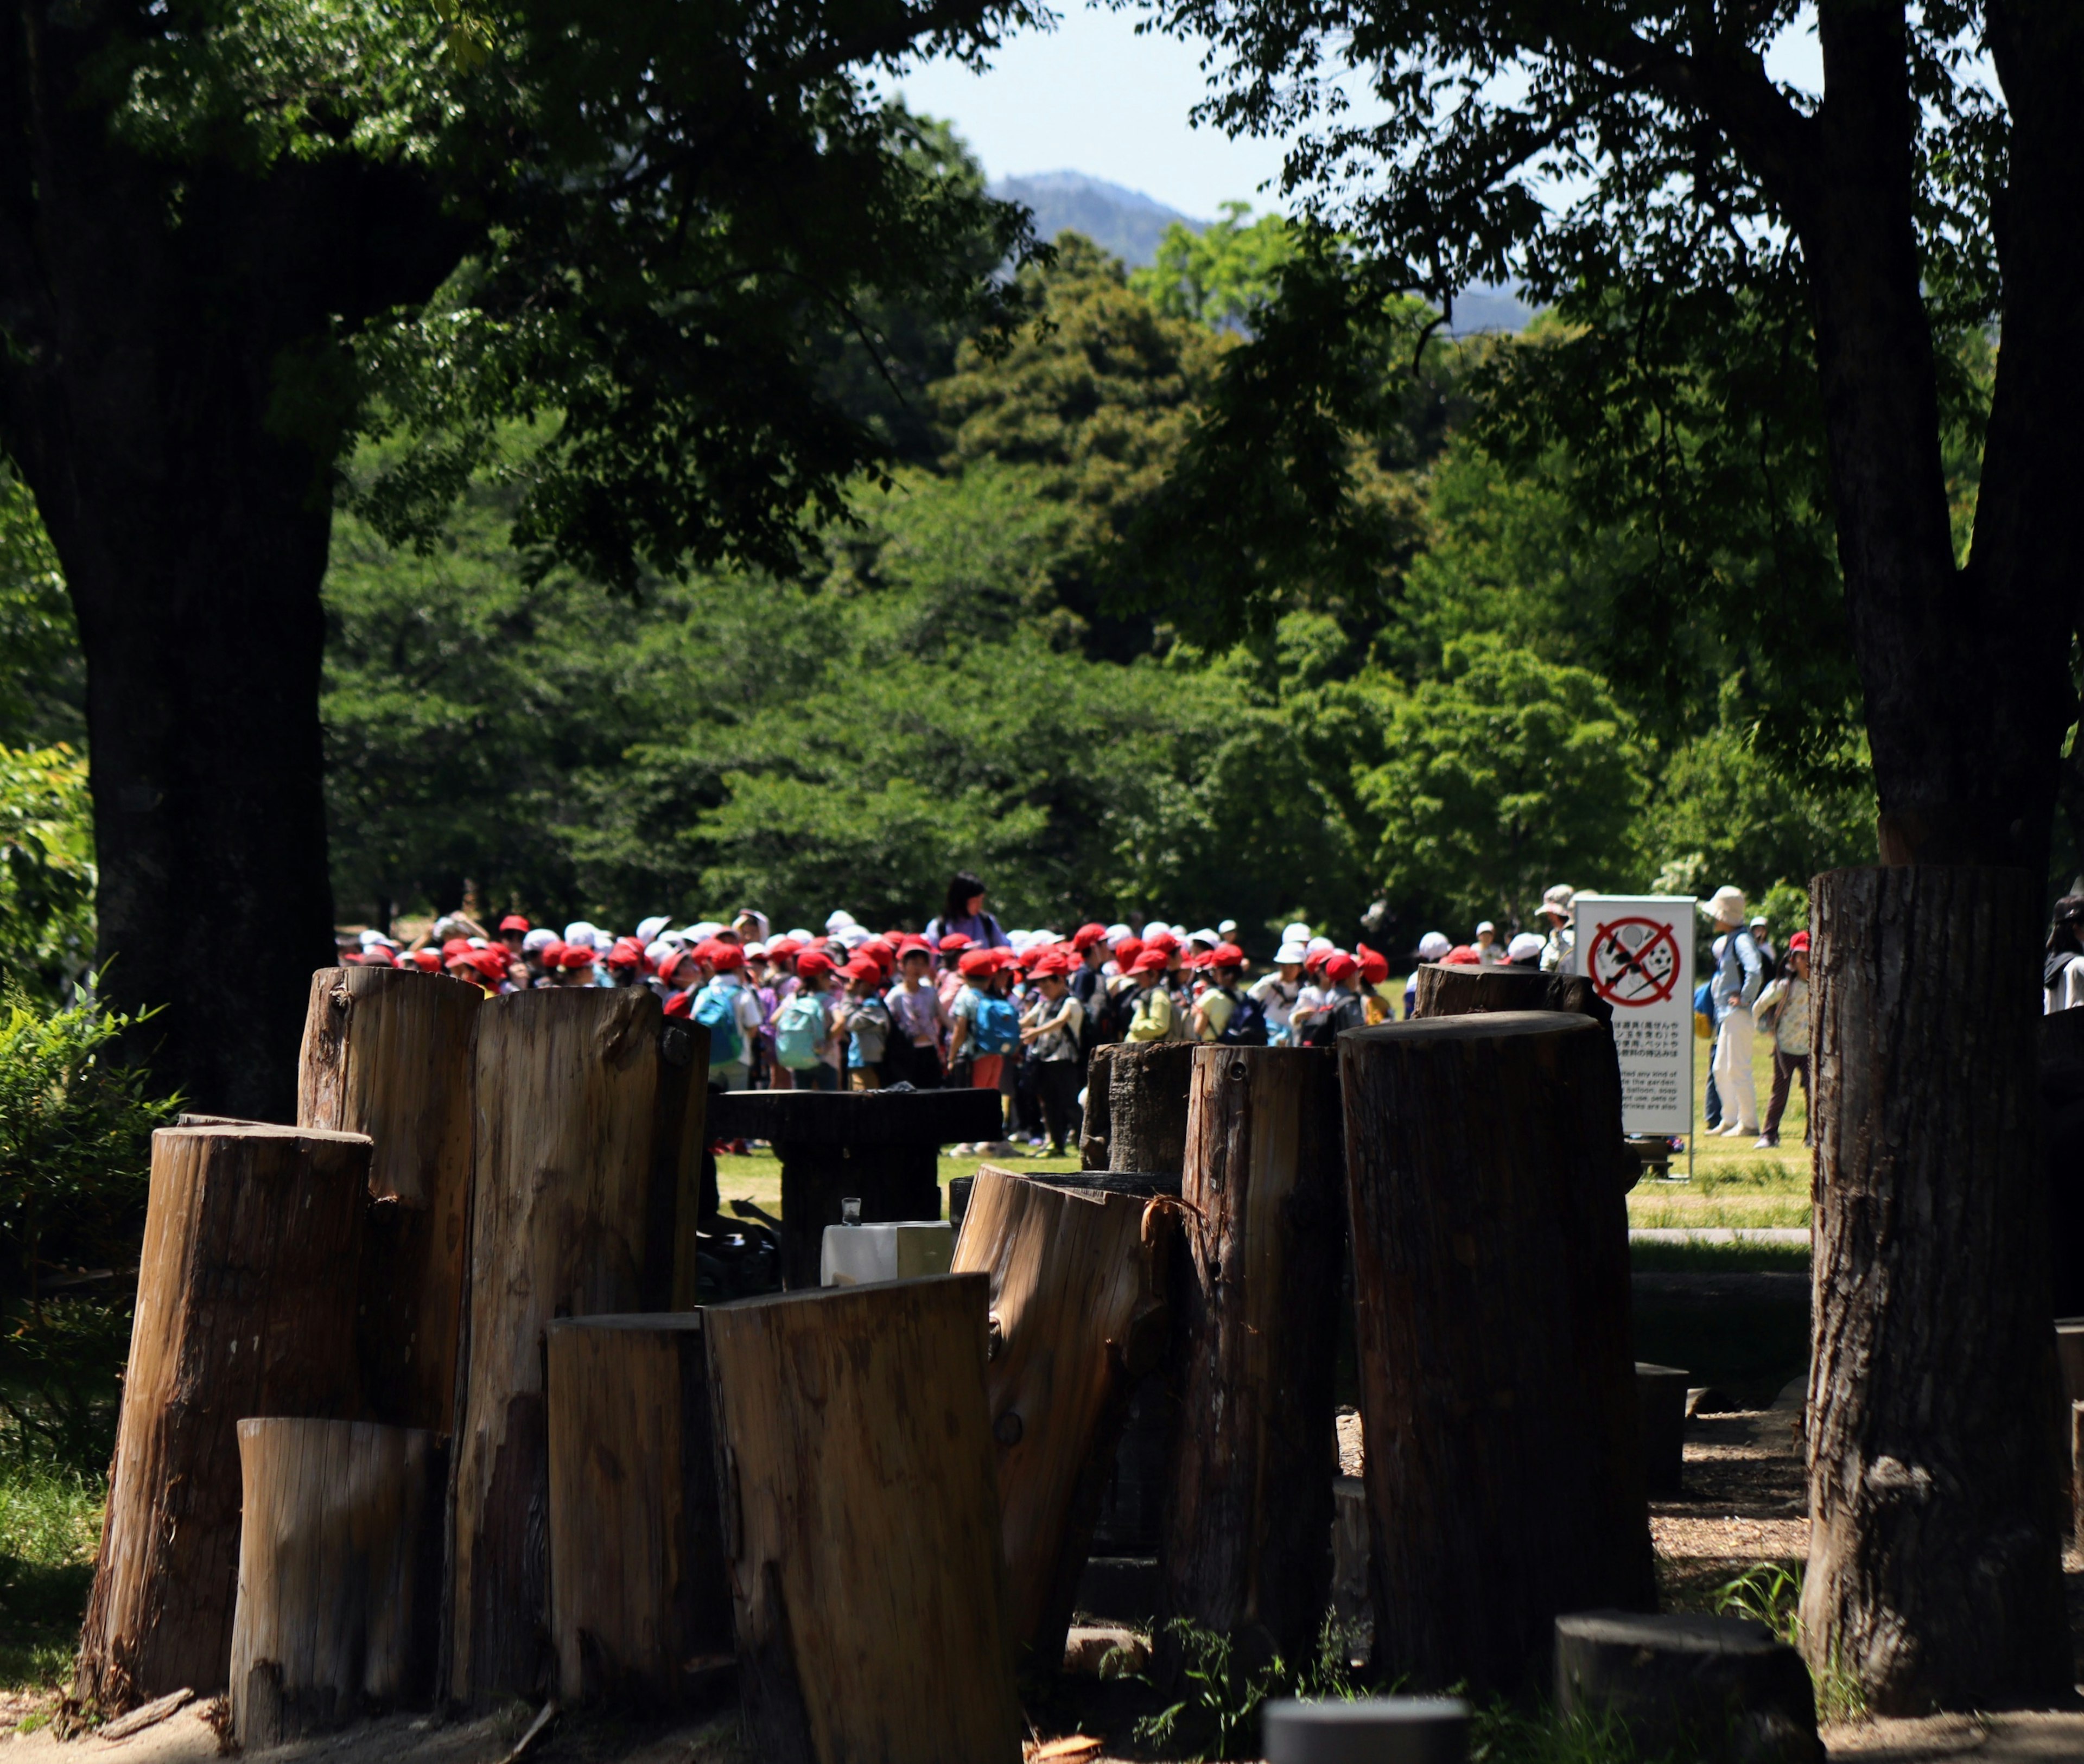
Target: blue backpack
717,1011
997,1028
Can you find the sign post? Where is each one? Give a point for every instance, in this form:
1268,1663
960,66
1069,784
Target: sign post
1637,951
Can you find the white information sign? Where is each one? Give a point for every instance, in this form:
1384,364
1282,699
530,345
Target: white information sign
1638,950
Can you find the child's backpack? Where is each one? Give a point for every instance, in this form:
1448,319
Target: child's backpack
799,1026
1246,1027
717,1011
868,1025
1347,1013
996,1029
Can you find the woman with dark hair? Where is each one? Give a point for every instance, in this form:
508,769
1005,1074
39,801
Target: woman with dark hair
2062,968
963,913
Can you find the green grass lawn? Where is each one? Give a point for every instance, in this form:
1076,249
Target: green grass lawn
1733,1183
50,1521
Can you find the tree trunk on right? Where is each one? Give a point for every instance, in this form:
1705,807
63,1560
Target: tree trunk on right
1492,1314
1935,1415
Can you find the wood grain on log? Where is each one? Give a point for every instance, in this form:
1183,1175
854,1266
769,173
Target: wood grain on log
1245,1552
245,1306
1497,1382
1077,1314
336,1577
1147,1106
1445,991
1934,1414
860,1523
640,1606
391,1055
568,1086
1094,1129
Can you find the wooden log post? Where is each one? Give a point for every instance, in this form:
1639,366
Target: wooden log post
861,1523
1445,991
640,1606
1935,1575
566,1222
1251,1509
339,1552
1093,1128
1497,1389
882,1146
391,1053
246,1290
1147,1107
1077,1316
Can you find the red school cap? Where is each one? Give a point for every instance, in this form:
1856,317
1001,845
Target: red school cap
1461,956
628,953
1798,944
1226,955
575,955
1150,962
1126,952
974,963
1375,965
813,965
727,957
515,922
1339,966
956,941
426,961
1086,936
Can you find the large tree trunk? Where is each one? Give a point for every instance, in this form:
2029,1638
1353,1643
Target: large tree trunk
640,1606
245,1307
1935,1443
336,1576
1077,1316
392,1055
1249,1551
1492,1309
862,1524
568,1087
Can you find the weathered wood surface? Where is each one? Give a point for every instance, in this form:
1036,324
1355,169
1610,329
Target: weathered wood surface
245,1306
1094,1125
1078,1315
861,1522
882,1146
1461,991
640,1604
1147,1106
1492,1309
1244,1552
392,1054
336,1594
1935,1573
564,1223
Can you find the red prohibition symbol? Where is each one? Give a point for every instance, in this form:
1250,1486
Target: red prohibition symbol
1635,963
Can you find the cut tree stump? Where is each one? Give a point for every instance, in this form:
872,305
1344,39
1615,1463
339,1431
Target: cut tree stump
1147,1107
861,1522
574,1096
246,1289
1251,1505
1935,1567
1504,1468
882,1146
1078,1315
640,1606
1463,991
391,1055
1093,1127
339,1552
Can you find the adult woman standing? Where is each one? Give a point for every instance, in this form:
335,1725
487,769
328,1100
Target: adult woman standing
964,915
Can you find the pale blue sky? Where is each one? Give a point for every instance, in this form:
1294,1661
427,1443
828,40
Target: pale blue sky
1093,96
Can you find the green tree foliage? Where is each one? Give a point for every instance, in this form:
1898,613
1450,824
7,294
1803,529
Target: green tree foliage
42,677
1223,276
47,872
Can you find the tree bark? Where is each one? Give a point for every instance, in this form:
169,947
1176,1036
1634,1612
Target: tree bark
1459,992
336,1577
245,1307
1078,1315
393,1055
1147,1107
1934,1423
1497,1383
1094,1127
641,1608
861,1524
568,1088
1247,1553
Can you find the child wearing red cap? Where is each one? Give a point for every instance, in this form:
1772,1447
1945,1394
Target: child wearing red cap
1053,1030
1155,1016
986,1026
863,1021
918,1019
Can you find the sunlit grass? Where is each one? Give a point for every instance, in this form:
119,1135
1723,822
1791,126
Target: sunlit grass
50,1524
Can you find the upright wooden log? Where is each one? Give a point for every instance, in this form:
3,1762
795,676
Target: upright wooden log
1245,1552
640,1606
1147,1106
1093,1128
861,1524
564,1224
245,1307
1445,991
1935,1574
1497,1383
338,1556
390,1054
1078,1315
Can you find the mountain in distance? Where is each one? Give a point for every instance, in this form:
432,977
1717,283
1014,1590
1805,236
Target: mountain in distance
1130,224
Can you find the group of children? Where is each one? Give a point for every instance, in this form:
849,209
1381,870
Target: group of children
850,1008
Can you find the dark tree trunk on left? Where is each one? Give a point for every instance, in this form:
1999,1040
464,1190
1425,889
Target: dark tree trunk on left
174,398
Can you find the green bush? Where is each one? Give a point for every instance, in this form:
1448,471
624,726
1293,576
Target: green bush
75,1152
